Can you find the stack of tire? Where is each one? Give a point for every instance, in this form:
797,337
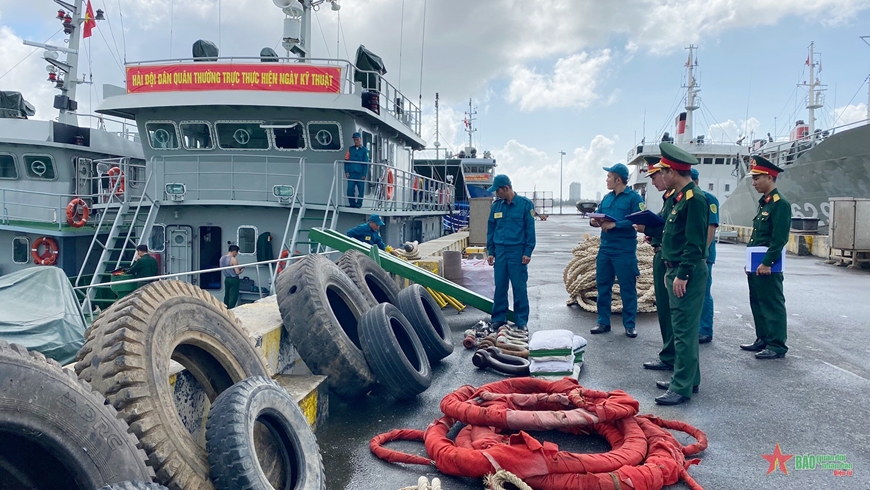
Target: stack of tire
350,322
58,433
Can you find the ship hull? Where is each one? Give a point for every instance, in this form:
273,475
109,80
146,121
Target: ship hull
836,167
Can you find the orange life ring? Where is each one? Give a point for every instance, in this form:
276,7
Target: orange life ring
71,213
281,265
49,256
391,181
116,174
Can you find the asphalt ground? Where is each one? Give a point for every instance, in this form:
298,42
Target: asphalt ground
816,401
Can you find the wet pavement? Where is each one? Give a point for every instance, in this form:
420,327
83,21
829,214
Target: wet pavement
816,401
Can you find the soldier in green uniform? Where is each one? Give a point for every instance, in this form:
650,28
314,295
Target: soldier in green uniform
769,229
654,234
144,265
684,250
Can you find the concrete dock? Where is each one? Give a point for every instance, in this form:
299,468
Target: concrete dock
813,402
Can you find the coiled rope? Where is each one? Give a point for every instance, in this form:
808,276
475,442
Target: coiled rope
579,277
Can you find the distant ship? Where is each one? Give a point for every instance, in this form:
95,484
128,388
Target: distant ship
819,164
718,161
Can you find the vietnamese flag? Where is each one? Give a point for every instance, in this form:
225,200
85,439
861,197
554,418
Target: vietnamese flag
90,23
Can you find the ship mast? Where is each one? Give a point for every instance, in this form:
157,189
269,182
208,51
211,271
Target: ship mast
866,39
437,131
814,99
692,90
469,124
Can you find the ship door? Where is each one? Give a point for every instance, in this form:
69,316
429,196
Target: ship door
180,251
210,252
85,185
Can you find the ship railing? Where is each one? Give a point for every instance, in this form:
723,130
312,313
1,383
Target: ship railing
120,127
787,152
249,178
389,98
387,188
44,209
118,180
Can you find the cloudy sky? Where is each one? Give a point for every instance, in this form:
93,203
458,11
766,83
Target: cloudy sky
587,77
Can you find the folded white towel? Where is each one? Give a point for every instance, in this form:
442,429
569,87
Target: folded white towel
551,340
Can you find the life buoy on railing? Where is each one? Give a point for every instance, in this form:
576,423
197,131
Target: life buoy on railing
72,211
281,265
49,256
115,174
391,184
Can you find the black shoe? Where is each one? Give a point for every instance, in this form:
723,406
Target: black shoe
756,346
671,398
523,328
705,339
631,332
658,366
600,329
769,354
664,385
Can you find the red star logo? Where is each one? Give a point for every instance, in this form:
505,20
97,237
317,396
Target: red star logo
777,459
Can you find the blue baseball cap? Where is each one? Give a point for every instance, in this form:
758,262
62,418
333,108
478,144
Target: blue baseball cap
695,174
355,135
619,169
376,219
498,182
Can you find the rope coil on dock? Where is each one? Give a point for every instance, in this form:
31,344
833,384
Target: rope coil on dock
579,277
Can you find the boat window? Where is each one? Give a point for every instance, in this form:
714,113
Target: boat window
157,240
291,137
162,135
324,136
196,136
21,250
707,161
241,136
39,167
8,170
247,240
720,161
727,187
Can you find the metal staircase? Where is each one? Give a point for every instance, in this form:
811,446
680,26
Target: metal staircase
131,226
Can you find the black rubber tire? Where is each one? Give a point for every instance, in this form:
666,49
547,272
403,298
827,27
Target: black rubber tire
394,351
425,316
234,447
320,308
134,485
56,432
126,357
374,282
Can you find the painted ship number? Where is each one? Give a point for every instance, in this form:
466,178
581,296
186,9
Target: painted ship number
812,212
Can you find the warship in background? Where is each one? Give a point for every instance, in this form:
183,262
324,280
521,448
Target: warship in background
819,164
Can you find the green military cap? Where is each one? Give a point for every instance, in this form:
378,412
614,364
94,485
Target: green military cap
652,165
676,158
763,166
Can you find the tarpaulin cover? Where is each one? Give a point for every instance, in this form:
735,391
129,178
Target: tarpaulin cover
368,61
205,51
39,310
12,104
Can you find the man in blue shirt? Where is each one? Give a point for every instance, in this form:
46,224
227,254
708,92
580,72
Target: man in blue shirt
368,232
705,329
355,169
510,240
617,255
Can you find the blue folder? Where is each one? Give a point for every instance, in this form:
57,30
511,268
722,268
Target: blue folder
646,218
754,256
601,217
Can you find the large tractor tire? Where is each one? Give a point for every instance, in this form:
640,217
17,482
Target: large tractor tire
254,425
321,308
134,485
425,316
56,432
394,352
374,282
127,358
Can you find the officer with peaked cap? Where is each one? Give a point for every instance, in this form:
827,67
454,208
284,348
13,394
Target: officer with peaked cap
663,309
769,229
617,255
684,249
705,328
510,240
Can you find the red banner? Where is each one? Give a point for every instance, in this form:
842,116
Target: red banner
220,76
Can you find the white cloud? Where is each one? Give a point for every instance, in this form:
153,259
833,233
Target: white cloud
730,131
533,169
850,114
572,83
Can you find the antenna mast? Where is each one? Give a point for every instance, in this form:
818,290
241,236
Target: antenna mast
866,39
469,123
437,130
692,90
815,100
